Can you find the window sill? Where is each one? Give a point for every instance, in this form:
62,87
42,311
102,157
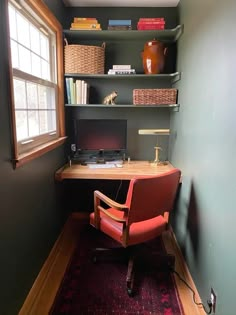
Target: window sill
37,152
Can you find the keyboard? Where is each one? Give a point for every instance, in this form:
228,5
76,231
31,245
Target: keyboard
115,162
110,165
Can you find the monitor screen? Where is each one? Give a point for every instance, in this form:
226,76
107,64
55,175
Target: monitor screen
101,134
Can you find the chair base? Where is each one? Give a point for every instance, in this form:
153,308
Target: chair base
162,262
110,254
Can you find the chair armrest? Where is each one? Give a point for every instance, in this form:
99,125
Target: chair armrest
111,203
112,216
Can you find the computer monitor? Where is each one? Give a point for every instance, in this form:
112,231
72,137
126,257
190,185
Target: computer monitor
101,135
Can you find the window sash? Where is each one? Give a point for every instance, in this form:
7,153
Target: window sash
27,119
45,142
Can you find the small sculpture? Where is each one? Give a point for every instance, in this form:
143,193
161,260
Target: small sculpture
110,98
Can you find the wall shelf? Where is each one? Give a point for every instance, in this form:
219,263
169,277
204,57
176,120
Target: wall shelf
176,106
167,35
173,77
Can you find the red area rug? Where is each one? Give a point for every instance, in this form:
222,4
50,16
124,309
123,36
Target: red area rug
100,289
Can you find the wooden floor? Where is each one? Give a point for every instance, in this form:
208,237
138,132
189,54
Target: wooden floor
43,292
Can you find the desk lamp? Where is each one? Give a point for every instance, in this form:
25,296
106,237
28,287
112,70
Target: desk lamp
156,132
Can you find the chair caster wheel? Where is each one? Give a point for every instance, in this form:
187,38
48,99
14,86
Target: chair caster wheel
130,292
94,259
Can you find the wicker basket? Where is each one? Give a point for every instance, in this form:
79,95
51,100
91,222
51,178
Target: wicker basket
154,96
84,59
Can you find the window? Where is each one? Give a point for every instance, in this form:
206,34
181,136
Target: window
35,40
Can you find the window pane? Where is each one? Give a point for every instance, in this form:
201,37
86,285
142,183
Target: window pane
32,95
43,121
36,65
52,120
45,70
19,94
44,47
51,98
21,125
33,118
48,120
34,39
24,57
23,30
46,97
14,54
42,90
12,19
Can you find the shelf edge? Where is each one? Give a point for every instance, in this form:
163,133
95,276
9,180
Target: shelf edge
124,106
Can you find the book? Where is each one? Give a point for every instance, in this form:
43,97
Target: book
84,29
120,71
78,84
84,22
81,92
151,22
119,28
86,93
79,19
123,67
68,92
152,19
119,22
72,91
149,27
85,25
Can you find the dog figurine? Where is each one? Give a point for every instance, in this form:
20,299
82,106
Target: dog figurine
110,98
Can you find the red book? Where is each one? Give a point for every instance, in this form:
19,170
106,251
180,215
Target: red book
151,19
151,27
152,23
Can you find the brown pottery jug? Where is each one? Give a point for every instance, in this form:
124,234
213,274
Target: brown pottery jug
153,57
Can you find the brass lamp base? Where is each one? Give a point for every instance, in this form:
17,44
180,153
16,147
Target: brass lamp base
157,154
157,162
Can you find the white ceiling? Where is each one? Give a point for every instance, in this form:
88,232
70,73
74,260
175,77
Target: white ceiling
121,3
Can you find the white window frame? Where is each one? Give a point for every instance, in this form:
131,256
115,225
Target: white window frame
24,151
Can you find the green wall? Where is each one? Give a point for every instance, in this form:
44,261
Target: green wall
30,213
203,146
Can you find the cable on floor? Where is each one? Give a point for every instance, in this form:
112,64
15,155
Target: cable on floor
194,294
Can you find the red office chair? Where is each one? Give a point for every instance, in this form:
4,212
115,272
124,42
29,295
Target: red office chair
143,217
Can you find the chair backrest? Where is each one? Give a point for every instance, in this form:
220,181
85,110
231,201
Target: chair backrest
151,196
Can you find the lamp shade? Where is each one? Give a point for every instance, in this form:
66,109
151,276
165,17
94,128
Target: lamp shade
161,132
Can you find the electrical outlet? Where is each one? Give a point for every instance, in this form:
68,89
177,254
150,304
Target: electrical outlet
213,301
73,147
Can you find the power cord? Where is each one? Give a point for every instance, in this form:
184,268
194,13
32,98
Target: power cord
118,190
209,303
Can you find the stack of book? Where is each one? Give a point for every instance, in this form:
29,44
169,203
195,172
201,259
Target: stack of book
77,91
81,23
119,25
121,69
157,23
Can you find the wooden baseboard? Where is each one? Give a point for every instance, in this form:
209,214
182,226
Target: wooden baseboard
42,294
186,296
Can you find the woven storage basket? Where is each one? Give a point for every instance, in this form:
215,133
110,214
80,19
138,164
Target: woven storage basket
84,59
154,96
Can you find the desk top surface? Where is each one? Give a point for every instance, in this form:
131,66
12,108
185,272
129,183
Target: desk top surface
127,172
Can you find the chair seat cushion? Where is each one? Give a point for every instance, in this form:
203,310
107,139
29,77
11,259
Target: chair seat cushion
139,232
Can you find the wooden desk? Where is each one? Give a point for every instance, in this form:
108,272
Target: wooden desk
127,172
